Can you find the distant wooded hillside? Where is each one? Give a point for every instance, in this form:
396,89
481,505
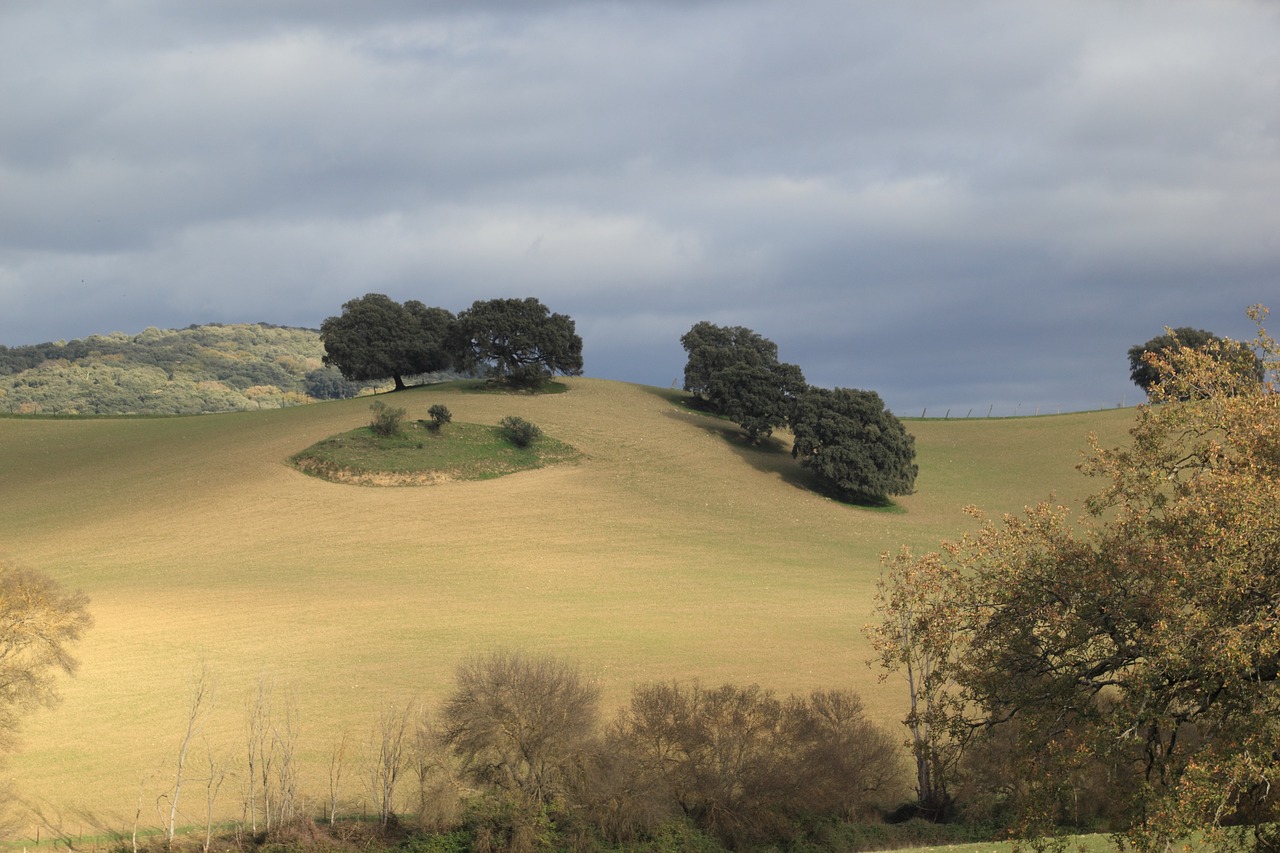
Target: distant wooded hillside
199,369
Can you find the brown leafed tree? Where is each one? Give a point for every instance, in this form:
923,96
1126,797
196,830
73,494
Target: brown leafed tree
1145,633
39,621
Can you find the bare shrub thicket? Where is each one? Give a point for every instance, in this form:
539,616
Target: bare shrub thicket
520,723
744,764
516,759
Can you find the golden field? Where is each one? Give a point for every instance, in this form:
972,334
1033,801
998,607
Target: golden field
670,550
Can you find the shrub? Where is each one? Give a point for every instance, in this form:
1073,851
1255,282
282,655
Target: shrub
440,415
518,431
386,420
520,723
744,764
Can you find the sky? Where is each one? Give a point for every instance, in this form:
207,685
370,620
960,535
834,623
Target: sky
969,207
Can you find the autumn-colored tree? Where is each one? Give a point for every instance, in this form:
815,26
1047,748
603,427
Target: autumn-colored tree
1144,369
39,620
1144,634
916,638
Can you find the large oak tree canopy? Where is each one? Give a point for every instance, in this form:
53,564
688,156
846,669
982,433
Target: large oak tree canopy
519,341
376,337
849,438
736,373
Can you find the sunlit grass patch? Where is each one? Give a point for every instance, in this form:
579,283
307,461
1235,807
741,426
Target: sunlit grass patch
419,455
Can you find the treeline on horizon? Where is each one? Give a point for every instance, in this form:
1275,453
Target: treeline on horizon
201,369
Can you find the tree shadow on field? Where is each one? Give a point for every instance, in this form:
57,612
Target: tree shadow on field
771,456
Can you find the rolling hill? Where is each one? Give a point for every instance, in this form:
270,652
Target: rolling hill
670,550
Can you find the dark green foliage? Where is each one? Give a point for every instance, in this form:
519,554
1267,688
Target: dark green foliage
736,373
440,415
759,398
376,337
518,431
854,443
1145,375
328,383
713,349
387,421
519,341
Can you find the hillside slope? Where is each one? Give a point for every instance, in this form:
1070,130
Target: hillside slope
672,550
199,369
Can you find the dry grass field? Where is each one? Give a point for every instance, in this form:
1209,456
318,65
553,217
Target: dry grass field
670,550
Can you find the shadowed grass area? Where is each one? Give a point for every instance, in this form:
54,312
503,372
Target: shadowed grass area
421,455
671,549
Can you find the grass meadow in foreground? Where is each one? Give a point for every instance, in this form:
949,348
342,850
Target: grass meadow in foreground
671,549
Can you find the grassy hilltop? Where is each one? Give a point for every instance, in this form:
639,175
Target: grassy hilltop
668,550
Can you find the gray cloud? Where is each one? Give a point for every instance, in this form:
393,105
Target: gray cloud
959,205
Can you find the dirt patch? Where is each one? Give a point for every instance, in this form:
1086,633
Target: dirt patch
350,477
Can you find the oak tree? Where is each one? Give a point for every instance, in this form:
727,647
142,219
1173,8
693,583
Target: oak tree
853,443
519,341
735,372
376,337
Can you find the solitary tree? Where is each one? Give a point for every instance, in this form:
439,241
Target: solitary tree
854,443
1144,358
519,340
39,620
376,337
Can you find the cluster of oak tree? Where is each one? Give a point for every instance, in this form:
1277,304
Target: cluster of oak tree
846,436
1123,664
518,342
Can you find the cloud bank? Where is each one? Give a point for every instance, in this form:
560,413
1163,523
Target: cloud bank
960,206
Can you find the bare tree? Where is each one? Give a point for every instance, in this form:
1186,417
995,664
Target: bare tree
388,757
284,744
438,801
213,784
197,713
743,763
256,721
337,763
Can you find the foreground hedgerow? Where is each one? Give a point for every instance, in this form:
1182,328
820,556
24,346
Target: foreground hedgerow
677,835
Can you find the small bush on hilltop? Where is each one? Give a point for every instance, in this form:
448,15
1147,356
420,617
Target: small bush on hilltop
440,415
518,431
387,421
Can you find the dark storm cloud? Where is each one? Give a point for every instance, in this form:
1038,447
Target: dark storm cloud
959,205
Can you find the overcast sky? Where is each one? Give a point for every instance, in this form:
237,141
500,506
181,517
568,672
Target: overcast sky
961,204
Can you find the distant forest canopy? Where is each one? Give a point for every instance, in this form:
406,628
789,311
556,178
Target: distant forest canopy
196,370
